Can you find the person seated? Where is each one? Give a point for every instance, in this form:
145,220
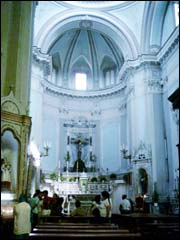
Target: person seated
125,206
46,204
97,217
139,203
95,204
78,211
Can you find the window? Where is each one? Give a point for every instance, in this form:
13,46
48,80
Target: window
176,12
80,81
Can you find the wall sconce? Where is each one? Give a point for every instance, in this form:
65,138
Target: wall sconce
35,154
125,153
46,146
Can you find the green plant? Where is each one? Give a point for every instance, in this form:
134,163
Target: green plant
62,178
72,179
94,179
102,178
113,176
54,176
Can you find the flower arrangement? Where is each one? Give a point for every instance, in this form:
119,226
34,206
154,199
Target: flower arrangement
54,176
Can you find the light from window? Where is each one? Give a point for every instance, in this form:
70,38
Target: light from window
176,11
80,81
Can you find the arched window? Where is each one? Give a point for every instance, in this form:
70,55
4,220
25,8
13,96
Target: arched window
80,81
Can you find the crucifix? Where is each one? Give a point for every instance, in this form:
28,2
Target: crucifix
79,165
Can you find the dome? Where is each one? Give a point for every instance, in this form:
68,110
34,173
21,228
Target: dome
87,51
95,4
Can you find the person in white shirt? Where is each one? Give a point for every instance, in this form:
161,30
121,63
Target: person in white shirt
125,206
106,206
22,218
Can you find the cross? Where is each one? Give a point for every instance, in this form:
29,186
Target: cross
79,141
79,164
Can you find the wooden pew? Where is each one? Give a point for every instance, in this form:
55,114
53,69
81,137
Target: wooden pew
83,219
136,221
71,236
74,226
160,231
68,230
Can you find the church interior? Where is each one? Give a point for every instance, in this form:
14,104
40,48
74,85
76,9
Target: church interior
90,102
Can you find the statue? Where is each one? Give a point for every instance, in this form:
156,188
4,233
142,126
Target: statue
5,174
79,165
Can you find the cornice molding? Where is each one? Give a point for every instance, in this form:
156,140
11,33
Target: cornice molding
144,60
168,47
53,89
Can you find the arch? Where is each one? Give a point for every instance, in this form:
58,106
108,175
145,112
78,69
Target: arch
81,64
7,127
143,181
78,63
56,61
107,62
107,66
10,146
152,26
102,22
157,22
10,104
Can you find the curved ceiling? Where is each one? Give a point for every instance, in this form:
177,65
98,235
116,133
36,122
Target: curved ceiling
86,51
95,4
88,41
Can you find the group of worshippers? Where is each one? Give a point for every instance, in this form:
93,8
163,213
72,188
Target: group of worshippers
101,208
27,211
127,206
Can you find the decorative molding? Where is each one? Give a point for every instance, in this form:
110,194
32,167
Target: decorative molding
10,104
44,59
103,5
122,107
10,107
86,24
79,123
12,127
144,60
143,152
103,93
175,115
63,110
155,86
169,47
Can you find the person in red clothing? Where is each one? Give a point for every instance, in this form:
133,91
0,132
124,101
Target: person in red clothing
46,203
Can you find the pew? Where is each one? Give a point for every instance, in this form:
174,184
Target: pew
69,230
135,222
83,219
76,226
83,235
160,231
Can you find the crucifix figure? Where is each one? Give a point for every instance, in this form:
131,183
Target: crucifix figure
79,165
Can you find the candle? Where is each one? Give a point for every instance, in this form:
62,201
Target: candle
90,140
